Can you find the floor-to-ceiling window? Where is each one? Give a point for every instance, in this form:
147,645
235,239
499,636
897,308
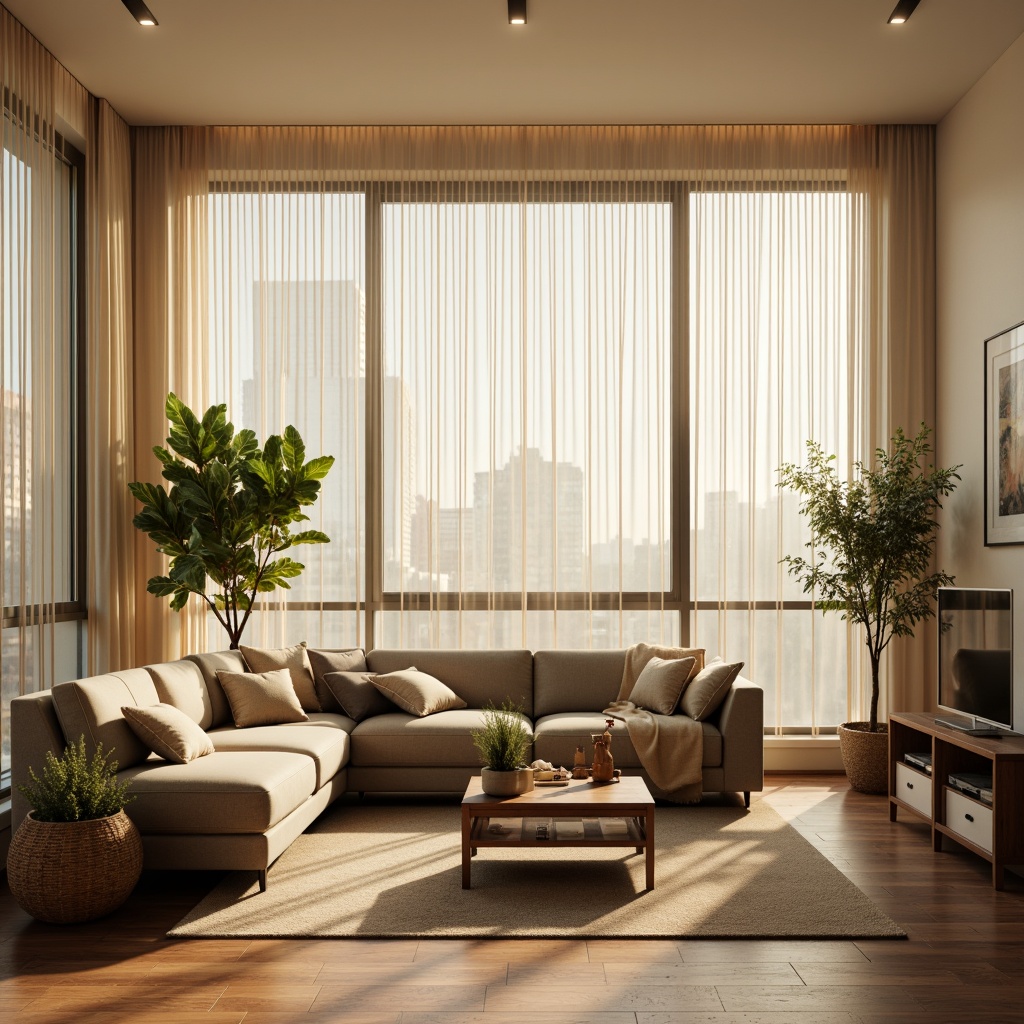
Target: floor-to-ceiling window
40,477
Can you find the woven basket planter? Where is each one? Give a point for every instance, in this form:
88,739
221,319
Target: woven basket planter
64,872
865,756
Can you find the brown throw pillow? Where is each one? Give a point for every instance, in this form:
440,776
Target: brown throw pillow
356,696
295,659
661,683
324,662
417,693
168,732
703,697
261,698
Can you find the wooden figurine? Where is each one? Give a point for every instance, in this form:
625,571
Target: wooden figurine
579,764
604,765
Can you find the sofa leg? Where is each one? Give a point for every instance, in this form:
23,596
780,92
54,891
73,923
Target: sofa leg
263,879
746,798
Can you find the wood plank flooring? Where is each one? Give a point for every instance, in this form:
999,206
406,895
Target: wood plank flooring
964,961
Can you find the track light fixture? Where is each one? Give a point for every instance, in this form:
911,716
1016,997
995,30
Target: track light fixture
141,13
517,12
903,10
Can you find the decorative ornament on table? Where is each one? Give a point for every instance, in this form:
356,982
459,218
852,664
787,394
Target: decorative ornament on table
579,764
604,765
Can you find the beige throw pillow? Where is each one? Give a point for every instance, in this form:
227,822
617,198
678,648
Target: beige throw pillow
295,659
325,662
356,696
417,693
661,683
703,697
168,732
261,698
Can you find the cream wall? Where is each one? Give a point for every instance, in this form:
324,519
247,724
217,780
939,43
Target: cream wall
980,278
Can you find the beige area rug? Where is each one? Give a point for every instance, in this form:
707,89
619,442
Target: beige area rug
394,870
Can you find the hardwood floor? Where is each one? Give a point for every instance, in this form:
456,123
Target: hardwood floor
964,961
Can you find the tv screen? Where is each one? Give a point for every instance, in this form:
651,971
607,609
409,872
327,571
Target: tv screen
976,653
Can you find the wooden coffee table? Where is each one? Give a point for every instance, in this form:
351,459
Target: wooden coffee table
629,799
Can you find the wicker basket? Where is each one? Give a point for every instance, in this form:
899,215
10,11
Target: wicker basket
69,871
865,756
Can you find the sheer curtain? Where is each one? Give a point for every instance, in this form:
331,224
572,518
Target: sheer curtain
557,367
38,398
109,367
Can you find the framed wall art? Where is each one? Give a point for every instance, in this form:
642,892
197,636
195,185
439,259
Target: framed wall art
1004,437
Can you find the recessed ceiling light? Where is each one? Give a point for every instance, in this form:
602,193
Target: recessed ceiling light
903,10
141,13
517,12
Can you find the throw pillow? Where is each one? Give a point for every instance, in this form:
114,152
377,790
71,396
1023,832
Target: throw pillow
295,659
324,662
261,698
661,683
703,697
356,696
417,693
168,732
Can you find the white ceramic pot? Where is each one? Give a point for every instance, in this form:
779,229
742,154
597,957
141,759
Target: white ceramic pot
513,783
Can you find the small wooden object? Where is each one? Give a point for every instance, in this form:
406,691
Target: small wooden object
604,765
579,764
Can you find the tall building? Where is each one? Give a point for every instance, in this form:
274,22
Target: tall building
538,503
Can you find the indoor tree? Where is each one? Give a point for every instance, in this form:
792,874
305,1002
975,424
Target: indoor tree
229,513
872,539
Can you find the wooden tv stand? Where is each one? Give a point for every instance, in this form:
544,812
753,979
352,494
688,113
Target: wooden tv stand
996,831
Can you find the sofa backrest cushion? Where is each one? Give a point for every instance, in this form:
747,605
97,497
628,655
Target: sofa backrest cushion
210,664
181,684
92,708
566,681
478,677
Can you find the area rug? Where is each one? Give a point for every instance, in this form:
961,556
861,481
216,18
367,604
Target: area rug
395,870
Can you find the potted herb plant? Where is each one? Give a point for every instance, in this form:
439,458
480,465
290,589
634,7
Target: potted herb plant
77,855
503,743
228,515
872,546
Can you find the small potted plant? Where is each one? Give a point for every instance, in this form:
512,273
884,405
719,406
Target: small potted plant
872,544
77,855
503,743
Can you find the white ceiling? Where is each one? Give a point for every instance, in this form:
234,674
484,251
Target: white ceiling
577,61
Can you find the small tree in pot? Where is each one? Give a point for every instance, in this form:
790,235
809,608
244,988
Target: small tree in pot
228,515
872,544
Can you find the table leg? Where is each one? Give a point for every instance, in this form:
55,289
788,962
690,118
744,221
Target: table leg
467,825
649,829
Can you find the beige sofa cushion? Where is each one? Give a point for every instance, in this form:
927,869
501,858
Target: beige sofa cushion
417,693
324,738
324,662
225,792
295,659
356,695
168,732
403,740
706,691
261,698
210,664
181,684
660,684
568,681
478,677
92,708
555,738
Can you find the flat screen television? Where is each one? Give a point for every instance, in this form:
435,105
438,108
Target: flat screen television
976,657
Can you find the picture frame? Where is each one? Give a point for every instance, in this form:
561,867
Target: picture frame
1004,437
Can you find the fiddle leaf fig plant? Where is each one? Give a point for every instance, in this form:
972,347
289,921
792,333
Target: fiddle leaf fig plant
872,539
229,513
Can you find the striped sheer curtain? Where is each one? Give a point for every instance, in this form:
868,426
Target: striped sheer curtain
38,395
557,367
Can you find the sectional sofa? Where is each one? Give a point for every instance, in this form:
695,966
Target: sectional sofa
240,807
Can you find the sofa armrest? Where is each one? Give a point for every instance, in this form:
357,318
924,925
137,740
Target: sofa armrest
34,731
741,723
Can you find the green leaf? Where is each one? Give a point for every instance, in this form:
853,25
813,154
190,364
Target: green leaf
317,469
309,537
292,449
